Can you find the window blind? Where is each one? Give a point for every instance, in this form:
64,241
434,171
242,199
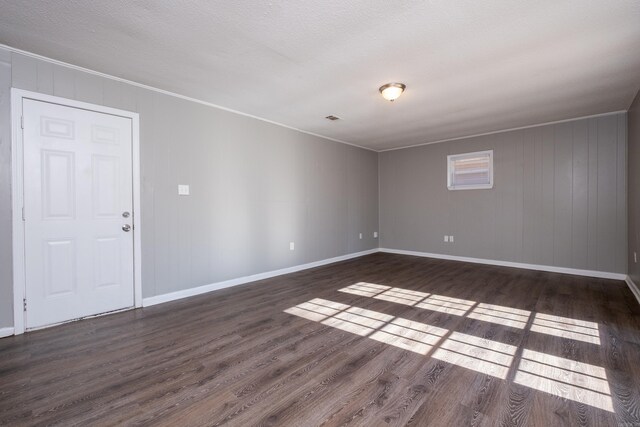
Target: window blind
470,170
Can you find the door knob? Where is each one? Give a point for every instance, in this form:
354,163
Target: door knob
126,227
125,214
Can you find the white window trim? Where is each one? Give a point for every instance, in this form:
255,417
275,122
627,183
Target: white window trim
452,157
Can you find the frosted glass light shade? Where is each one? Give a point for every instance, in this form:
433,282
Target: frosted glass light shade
391,91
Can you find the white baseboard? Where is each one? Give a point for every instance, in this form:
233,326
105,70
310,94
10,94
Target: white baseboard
633,287
6,332
159,299
549,268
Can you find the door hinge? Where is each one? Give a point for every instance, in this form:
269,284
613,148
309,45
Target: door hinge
23,213
24,304
21,122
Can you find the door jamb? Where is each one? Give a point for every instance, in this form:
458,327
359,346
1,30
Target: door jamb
17,192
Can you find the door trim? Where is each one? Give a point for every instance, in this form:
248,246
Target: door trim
17,194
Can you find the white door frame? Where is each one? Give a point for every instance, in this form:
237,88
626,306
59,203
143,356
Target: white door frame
17,194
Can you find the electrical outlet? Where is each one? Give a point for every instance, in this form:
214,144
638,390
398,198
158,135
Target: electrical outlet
183,190
451,239
446,239
375,234
292,246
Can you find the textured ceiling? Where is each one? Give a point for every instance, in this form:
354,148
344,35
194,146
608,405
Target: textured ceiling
470,66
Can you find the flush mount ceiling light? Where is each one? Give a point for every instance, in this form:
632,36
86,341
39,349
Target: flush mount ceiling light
391,91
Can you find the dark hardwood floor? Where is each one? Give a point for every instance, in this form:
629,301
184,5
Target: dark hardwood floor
380,340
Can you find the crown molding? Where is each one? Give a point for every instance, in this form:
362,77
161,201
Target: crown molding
504,130
220,107
169,93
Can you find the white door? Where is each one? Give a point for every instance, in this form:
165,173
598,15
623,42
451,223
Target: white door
77,205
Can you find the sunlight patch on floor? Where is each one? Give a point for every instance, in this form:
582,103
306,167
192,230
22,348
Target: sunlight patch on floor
478,354
409,335
358,320
402,296
569,379
439,303
448,305
501,315
565,327
565,378
365,289
316,309
396,331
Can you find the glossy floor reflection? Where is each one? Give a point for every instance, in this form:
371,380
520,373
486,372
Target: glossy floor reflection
234,357
560,377
478,354
403,333
565,378
565,327
562,327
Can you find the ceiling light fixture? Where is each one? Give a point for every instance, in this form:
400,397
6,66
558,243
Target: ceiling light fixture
391,91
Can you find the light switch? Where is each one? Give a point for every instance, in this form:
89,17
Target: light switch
451,239
292,246
446,239
360,235
183,190
375,234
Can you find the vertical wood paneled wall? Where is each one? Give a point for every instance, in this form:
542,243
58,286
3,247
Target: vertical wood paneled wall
559,197
255,186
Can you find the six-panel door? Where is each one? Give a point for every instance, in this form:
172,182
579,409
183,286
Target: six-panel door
77,188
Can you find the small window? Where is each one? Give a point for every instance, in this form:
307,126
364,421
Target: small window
470,171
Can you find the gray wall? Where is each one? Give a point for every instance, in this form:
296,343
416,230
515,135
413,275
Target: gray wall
634,188
559,197
255,186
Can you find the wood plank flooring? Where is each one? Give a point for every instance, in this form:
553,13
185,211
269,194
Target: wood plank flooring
380,340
